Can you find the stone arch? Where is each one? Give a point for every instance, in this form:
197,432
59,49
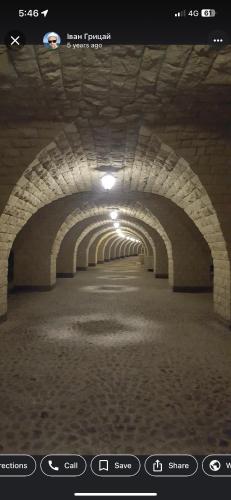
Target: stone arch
94,250
194,195
86,242
186,279
138,211
149,245
100,243
66,261
114,242
62,167
113,248
123,248
130,248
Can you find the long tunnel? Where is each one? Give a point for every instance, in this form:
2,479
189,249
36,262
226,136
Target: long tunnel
115,248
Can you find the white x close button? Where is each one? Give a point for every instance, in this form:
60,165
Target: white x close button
15,40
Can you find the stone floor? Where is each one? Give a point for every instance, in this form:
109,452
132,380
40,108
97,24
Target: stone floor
113,362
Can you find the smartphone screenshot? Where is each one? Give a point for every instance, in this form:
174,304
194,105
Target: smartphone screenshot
115,253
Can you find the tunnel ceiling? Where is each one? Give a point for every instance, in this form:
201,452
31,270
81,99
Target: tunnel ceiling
118,83
71,115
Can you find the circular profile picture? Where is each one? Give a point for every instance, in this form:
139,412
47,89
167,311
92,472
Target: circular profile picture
52,40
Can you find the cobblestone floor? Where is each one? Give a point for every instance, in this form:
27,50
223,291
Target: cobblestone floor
112,361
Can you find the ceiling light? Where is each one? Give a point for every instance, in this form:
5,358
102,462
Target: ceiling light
114,214
108,181
116,224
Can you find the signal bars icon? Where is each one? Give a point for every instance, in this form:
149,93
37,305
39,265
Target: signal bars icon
182,13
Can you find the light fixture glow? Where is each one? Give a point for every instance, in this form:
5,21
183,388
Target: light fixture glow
116,225
108,181
114,214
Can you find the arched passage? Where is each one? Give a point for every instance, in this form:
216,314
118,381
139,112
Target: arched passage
85,244
157,118
190,271
187,203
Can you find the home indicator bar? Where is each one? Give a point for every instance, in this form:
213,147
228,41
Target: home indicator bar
115,494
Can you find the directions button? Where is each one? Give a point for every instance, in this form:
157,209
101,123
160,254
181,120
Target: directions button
115,465
17,465
63,465
171,465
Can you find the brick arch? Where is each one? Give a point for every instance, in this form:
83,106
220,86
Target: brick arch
49,233
129,244
67,241
121,245
135,248
137,210
114,243
96,250
93,251
85,241
197,278
150,248
150,85
131,248
114,248
163,172
125,248
68,250
160,157
143,235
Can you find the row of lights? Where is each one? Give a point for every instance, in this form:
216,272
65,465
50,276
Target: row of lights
132,239
116,224
108,181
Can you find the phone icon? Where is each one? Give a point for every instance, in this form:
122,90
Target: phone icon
52,466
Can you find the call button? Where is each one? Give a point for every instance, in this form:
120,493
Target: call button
63,465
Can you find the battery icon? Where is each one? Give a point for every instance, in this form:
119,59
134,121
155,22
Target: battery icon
208,13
